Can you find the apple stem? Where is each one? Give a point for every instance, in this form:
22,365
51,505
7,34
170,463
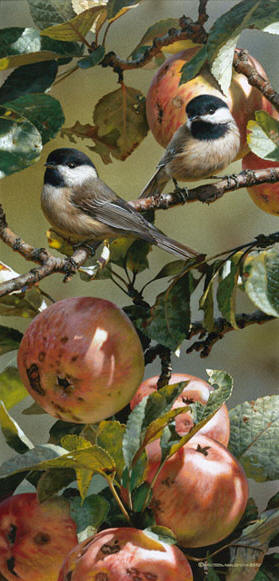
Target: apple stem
118,500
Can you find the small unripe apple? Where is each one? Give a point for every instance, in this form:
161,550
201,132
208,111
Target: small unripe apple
81,359
166,99
265,196
34,538
125,554
200,493
196,390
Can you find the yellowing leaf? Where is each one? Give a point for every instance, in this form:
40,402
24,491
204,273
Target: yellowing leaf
76,28
80,5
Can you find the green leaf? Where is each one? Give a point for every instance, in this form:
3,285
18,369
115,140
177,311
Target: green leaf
61,429
206,302
207,305
221,67
22,303
35,410
93,459
20,145
160,28
269,570
227,290
261,280
263,136
92,513
9,339
160,401
161,534
83,476
42,110
141,496
254,439
201,414
93,59
12,433
249,550
24,46
171,269
118,7
12,390
223,386
75,442
50,11
25,462
212,575
141,420
273,502
246,14
193,67
52,481
155,429
34,78
110,437
132,435
251,514
8,485
169,320
136,258
76,28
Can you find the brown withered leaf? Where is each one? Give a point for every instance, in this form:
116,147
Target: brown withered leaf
120,125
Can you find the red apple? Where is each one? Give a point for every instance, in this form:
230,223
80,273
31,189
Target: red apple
196,390
166,99
34,538
265,196
200,493
81,359
125,554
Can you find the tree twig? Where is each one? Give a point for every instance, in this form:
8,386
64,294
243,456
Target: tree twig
221,327
209,192
203,16
188,30
48,264
242,65
166,367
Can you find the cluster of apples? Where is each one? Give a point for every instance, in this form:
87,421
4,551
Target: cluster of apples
82,361
165,109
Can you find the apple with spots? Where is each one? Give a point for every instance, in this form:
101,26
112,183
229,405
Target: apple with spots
34,538
81,359
125,554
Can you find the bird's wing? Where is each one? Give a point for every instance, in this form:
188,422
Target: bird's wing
175,147
102,204
160,178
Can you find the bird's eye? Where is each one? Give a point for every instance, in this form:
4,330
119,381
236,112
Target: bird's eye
71,164
211,110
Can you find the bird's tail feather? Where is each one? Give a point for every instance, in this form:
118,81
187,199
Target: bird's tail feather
174,247
156,184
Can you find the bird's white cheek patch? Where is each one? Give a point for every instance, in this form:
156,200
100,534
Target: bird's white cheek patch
222,115
76,176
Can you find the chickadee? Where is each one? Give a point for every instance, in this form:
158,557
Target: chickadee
204,145
82,208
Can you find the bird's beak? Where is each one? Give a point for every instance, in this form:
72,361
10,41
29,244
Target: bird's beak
195,118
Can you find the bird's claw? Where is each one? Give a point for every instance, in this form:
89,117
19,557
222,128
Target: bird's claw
91,247
182,193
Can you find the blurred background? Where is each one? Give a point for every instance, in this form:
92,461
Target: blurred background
250,355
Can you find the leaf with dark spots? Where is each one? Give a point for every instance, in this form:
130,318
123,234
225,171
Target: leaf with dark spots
120,124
